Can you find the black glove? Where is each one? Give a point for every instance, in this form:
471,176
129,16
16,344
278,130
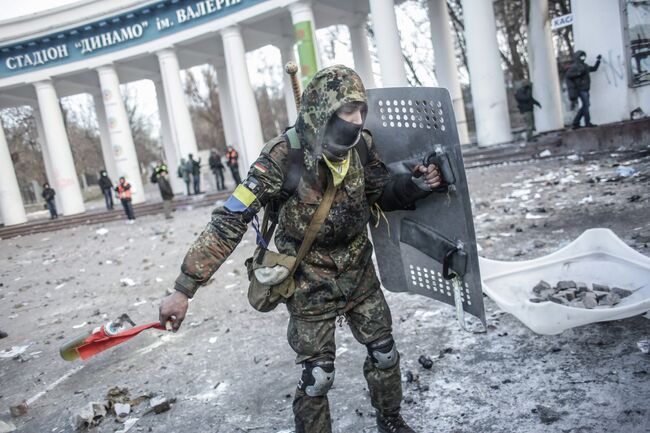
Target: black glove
598,57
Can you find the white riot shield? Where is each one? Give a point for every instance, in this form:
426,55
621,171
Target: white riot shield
431,250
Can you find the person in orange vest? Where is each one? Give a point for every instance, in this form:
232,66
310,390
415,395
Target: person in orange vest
231,160
124,194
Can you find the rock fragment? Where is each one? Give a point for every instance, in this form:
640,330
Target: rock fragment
122,411
546,414
160,404
622,293
19,409
88,416
644,346
589,301
425,362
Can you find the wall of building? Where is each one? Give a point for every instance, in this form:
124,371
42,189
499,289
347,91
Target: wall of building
598,29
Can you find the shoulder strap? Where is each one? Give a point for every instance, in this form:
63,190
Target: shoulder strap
292,177
291,180
362,149
316,222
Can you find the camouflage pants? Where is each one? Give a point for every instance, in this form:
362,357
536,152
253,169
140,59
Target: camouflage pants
369,321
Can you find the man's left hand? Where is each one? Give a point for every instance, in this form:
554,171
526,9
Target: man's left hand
431,174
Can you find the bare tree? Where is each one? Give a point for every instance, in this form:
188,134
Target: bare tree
147,146
205,110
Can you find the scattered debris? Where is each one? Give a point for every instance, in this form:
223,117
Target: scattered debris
411,376
625,171
586,200
425,362
102,231
3,334
19,409
160,404
546,414
14,351
127,282
128,424
88,416
545,153
122,411
644,346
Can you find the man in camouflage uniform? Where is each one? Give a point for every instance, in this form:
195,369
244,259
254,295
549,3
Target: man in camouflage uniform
337,276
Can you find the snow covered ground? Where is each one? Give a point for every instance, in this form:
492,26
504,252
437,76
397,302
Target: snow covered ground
231,370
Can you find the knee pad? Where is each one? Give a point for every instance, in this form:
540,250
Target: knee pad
382,352
317,377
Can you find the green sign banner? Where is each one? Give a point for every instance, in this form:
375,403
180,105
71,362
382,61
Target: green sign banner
306,51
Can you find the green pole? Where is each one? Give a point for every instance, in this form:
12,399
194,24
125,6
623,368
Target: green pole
306,51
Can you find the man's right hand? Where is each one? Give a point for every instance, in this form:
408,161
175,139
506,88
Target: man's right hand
173,308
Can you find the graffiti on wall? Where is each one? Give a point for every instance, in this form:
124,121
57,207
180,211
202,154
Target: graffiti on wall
613,65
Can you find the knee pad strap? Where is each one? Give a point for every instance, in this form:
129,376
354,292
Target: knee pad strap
382,352
317,377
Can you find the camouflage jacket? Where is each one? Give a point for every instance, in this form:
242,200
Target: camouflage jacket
338,272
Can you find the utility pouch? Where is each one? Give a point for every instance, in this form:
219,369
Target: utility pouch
271,274
271,279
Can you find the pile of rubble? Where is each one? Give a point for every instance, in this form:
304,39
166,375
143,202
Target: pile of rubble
579,295
119,403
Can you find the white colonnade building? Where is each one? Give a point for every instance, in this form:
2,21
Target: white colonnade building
94,46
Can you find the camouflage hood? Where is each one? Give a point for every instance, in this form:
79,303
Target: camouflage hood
330,88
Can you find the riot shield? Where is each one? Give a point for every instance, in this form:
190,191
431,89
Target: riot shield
431,250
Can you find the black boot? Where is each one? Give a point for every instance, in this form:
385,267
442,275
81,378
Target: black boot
392,424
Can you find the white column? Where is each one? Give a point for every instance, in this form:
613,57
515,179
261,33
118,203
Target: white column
486,76
286,52
389,48
180,121
243,99
228,116
12,210
445,61
64,177
172,158
301,12
119,132
42,141
361,54
542,69
105,139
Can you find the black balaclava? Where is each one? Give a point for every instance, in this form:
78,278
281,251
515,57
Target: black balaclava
340,137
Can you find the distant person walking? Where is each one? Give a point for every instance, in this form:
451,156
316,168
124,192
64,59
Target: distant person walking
184,171
578,85
107,188
161,177
217,168
124,193
231,161
196,173
48,195
526,104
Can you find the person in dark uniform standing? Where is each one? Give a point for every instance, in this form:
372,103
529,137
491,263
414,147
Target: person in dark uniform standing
337,277
217,168
48,195
526,104
107,188
161,177
195,167
578,86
